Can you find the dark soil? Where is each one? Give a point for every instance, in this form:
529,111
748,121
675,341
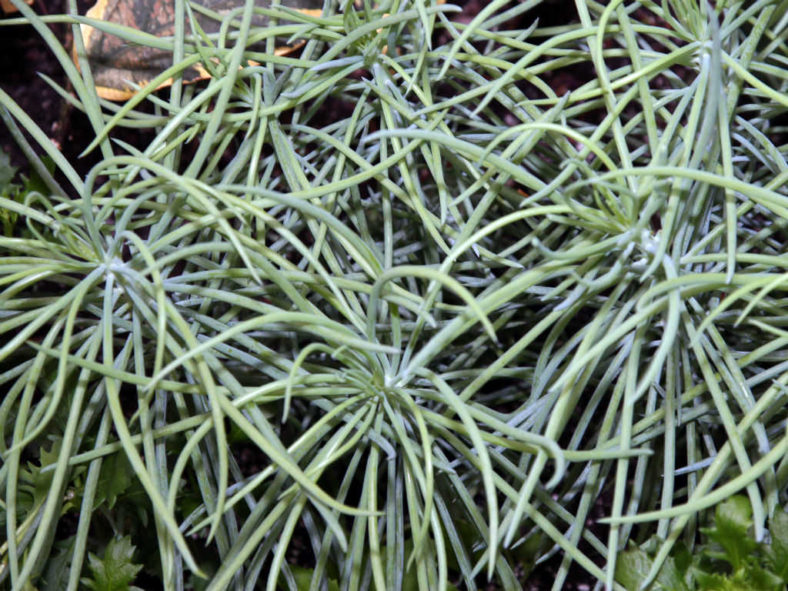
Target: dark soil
23,57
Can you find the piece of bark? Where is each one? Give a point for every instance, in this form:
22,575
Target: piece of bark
7,6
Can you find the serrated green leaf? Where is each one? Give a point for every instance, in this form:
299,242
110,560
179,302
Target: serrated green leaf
116,477
36,482
116,570
734,514
59,566
8,189
7,171
34,182
303,578
757,578
733,519
49,456
670,577
632,567
682,558
777,551
713,582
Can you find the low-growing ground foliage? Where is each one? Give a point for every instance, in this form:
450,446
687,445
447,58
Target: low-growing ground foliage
400,310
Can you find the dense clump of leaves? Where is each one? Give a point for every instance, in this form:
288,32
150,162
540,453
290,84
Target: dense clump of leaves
8,189
730,558
457,317
15,187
